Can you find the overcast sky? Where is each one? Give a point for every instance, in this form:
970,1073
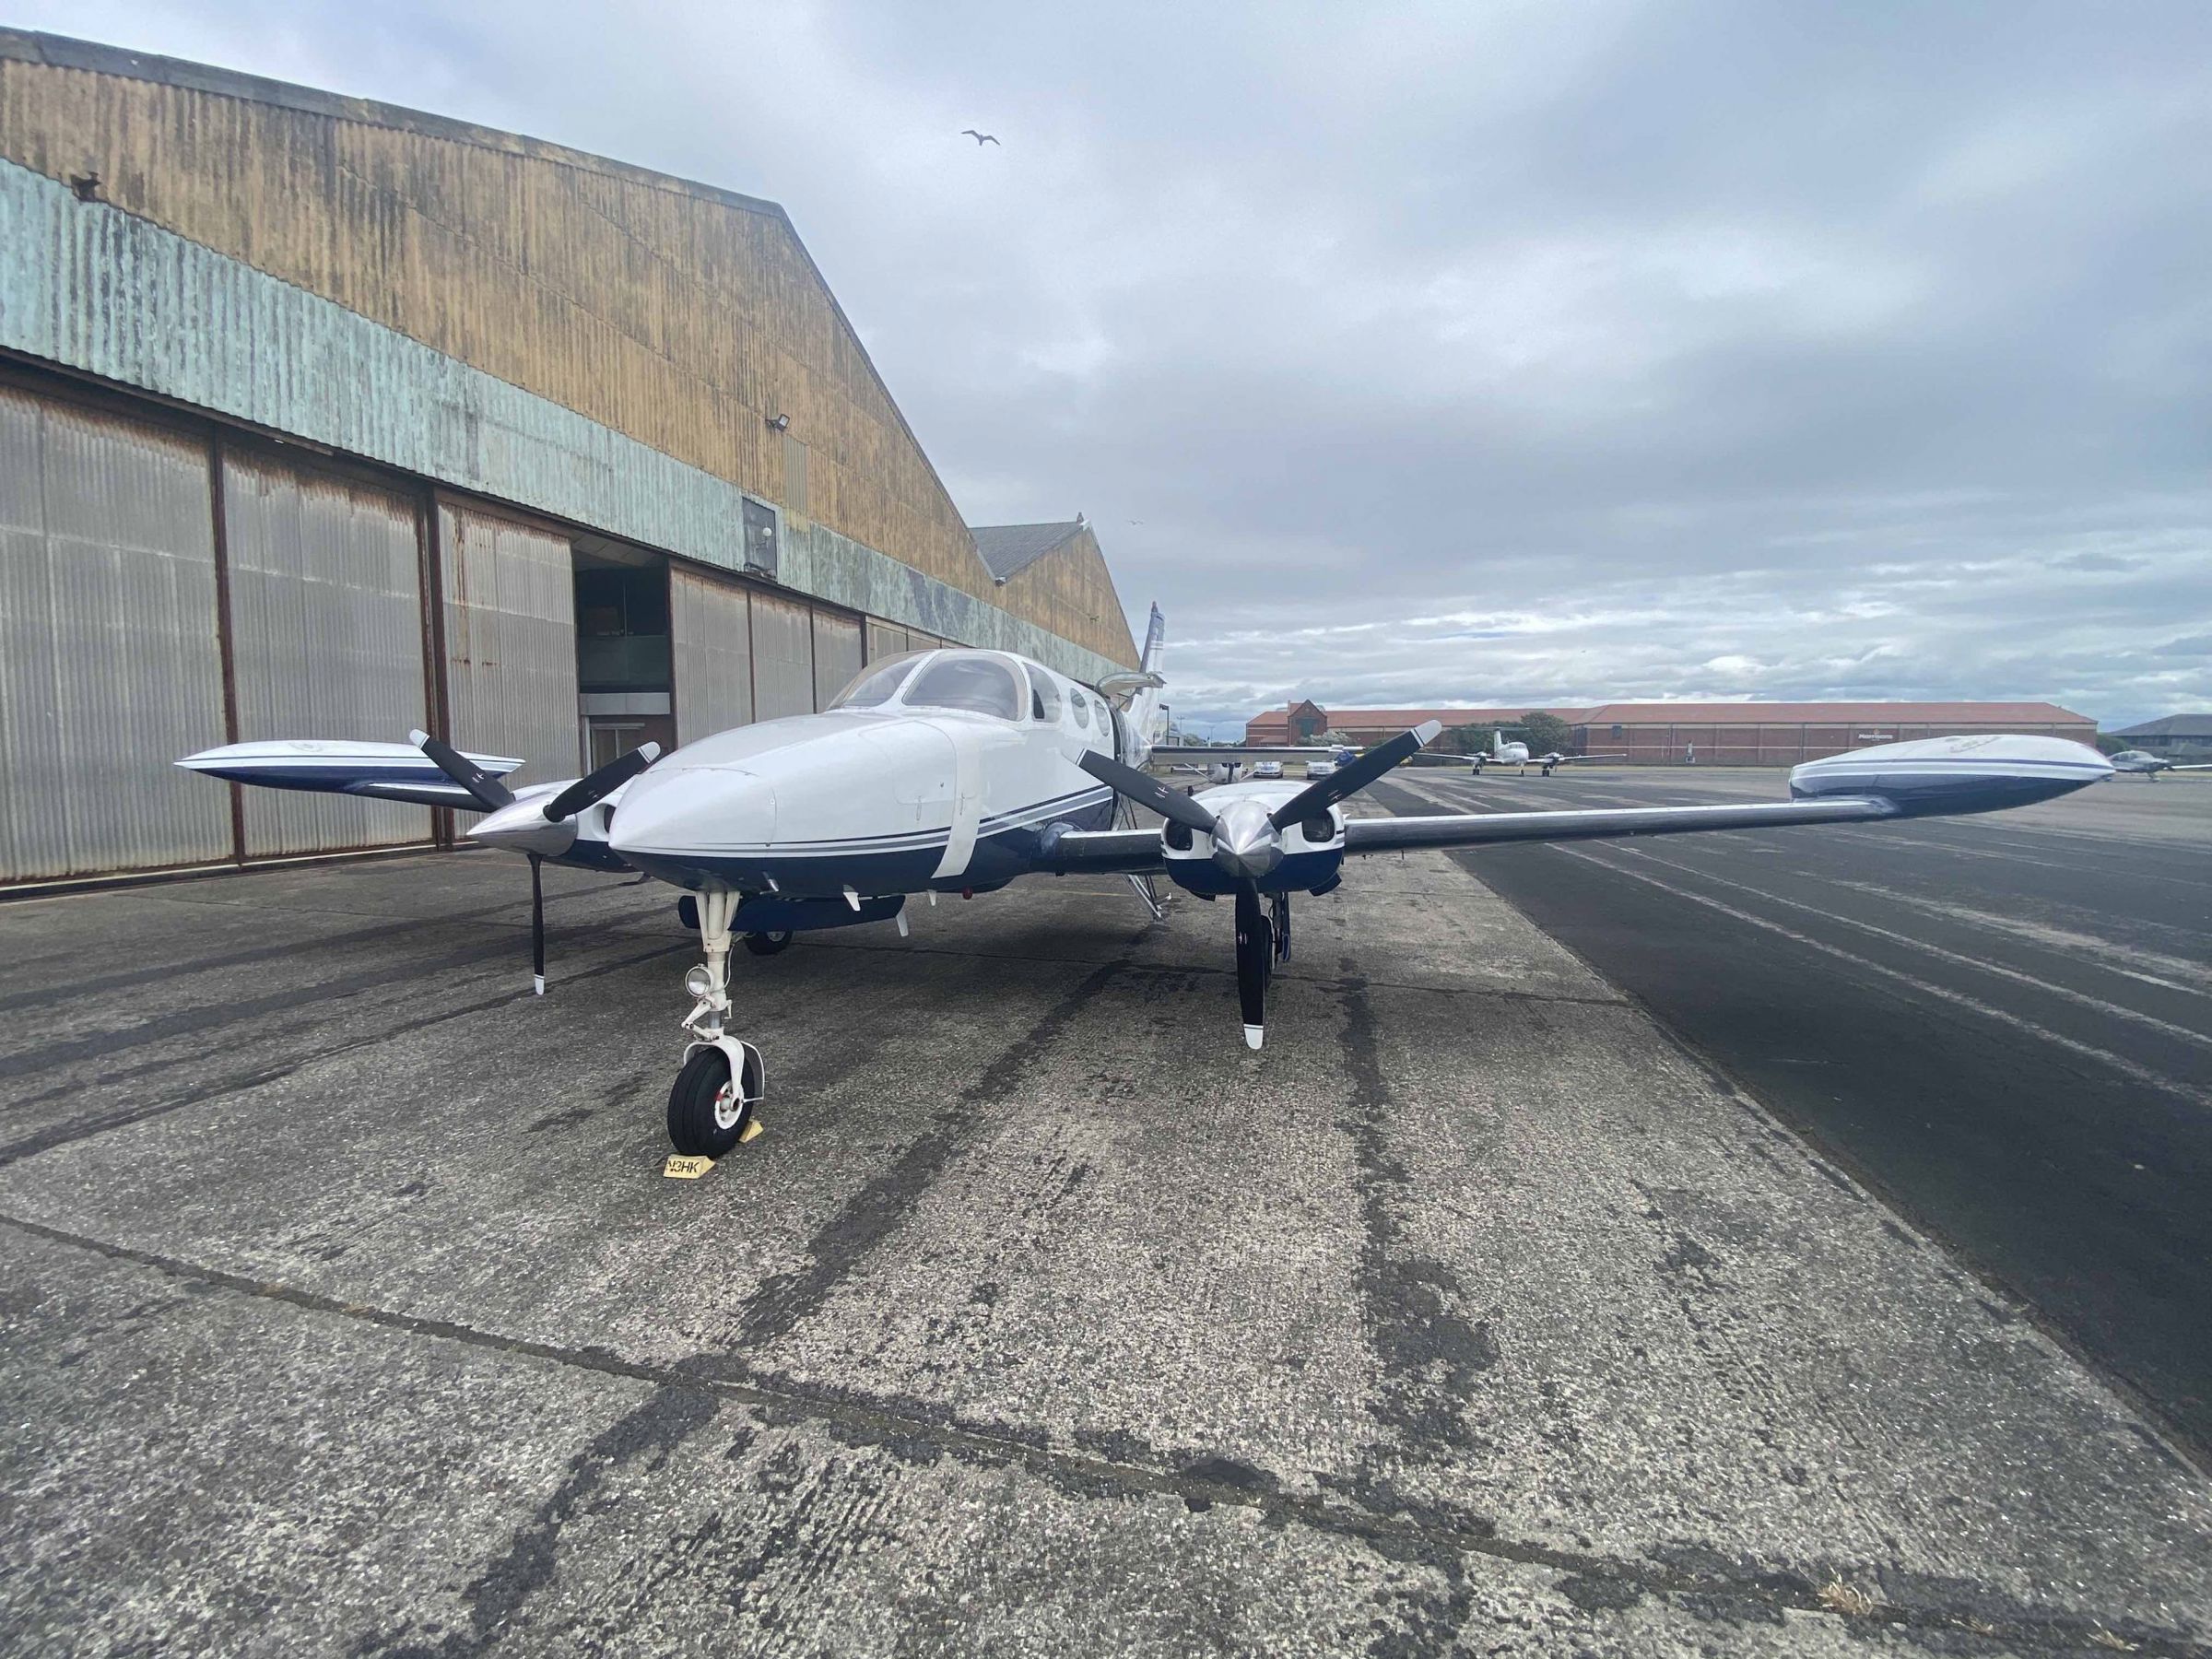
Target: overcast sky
1477,353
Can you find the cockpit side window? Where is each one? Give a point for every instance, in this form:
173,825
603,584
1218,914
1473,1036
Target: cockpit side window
878,682
981,684
1044,696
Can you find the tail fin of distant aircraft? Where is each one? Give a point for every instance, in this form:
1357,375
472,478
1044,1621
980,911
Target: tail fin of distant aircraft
1497,744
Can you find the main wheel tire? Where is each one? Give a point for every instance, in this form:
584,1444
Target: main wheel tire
767,944
706,1114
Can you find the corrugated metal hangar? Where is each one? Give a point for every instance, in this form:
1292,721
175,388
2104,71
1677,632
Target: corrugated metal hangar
322,419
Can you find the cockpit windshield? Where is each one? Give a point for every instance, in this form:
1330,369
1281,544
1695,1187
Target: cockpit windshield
980,684
878,682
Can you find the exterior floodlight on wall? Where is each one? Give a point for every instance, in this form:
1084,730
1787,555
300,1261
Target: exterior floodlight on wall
780,423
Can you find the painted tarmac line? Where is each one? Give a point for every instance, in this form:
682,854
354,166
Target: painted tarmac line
2119,1063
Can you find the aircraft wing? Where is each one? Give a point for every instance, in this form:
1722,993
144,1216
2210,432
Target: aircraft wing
1932,777
1194,751
1467,829
382,771
1440,757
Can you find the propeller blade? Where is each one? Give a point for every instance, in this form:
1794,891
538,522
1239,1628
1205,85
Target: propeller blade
1256,952
488,790
588,791
537,925
1354,776
1149,791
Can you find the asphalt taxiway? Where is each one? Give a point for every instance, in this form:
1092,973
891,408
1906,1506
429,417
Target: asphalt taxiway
2003,1022
347,1309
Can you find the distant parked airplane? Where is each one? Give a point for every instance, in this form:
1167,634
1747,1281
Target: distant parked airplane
1502,753
2149,766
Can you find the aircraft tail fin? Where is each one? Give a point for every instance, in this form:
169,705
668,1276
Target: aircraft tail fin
1148,711
1156,642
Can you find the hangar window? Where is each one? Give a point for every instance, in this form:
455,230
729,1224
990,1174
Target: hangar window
876,682
982,685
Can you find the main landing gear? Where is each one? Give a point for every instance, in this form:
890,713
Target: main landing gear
711,1106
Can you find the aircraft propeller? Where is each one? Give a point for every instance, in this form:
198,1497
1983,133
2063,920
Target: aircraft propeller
1247,843
542,830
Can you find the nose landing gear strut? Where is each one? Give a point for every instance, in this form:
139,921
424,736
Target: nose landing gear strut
711,1108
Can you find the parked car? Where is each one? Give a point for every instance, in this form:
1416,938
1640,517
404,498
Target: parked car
1321,768
1267,768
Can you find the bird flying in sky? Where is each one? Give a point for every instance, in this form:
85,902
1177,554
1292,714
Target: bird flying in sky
981,138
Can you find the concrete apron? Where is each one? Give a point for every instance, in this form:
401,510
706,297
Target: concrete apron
348,1309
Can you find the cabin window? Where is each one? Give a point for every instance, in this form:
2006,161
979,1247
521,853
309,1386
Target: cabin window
980,684
877,682
1081,705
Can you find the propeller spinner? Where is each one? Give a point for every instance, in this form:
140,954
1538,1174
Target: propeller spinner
1246,838
543,829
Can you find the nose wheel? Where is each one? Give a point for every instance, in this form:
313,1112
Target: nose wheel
710,1109
712,1105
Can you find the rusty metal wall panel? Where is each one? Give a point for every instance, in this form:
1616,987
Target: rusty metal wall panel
783,657
836,654
325,639
511,640
710,630
110,664
90,287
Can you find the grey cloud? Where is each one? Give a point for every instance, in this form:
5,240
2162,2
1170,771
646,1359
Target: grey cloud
1674,349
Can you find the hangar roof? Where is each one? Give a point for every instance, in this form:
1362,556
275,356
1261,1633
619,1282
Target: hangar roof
2170,726
1008,549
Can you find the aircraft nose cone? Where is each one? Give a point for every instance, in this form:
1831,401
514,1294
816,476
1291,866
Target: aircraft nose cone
699,809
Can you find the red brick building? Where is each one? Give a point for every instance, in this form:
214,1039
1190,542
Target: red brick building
1723,734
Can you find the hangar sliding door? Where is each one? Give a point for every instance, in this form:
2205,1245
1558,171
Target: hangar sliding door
836,654
885,639
110,664
511,640
783,658
327,639
711,634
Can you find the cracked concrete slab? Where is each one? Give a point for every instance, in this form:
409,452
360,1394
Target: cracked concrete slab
1472,1313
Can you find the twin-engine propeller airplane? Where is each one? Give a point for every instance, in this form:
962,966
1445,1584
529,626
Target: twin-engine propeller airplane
1502,753
960,771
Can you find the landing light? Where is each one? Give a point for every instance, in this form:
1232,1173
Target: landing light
698,981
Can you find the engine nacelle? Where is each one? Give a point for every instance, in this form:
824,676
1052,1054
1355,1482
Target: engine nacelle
1955,774
1305,861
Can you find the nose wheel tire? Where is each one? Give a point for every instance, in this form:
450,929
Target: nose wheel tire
767,944
707,1114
